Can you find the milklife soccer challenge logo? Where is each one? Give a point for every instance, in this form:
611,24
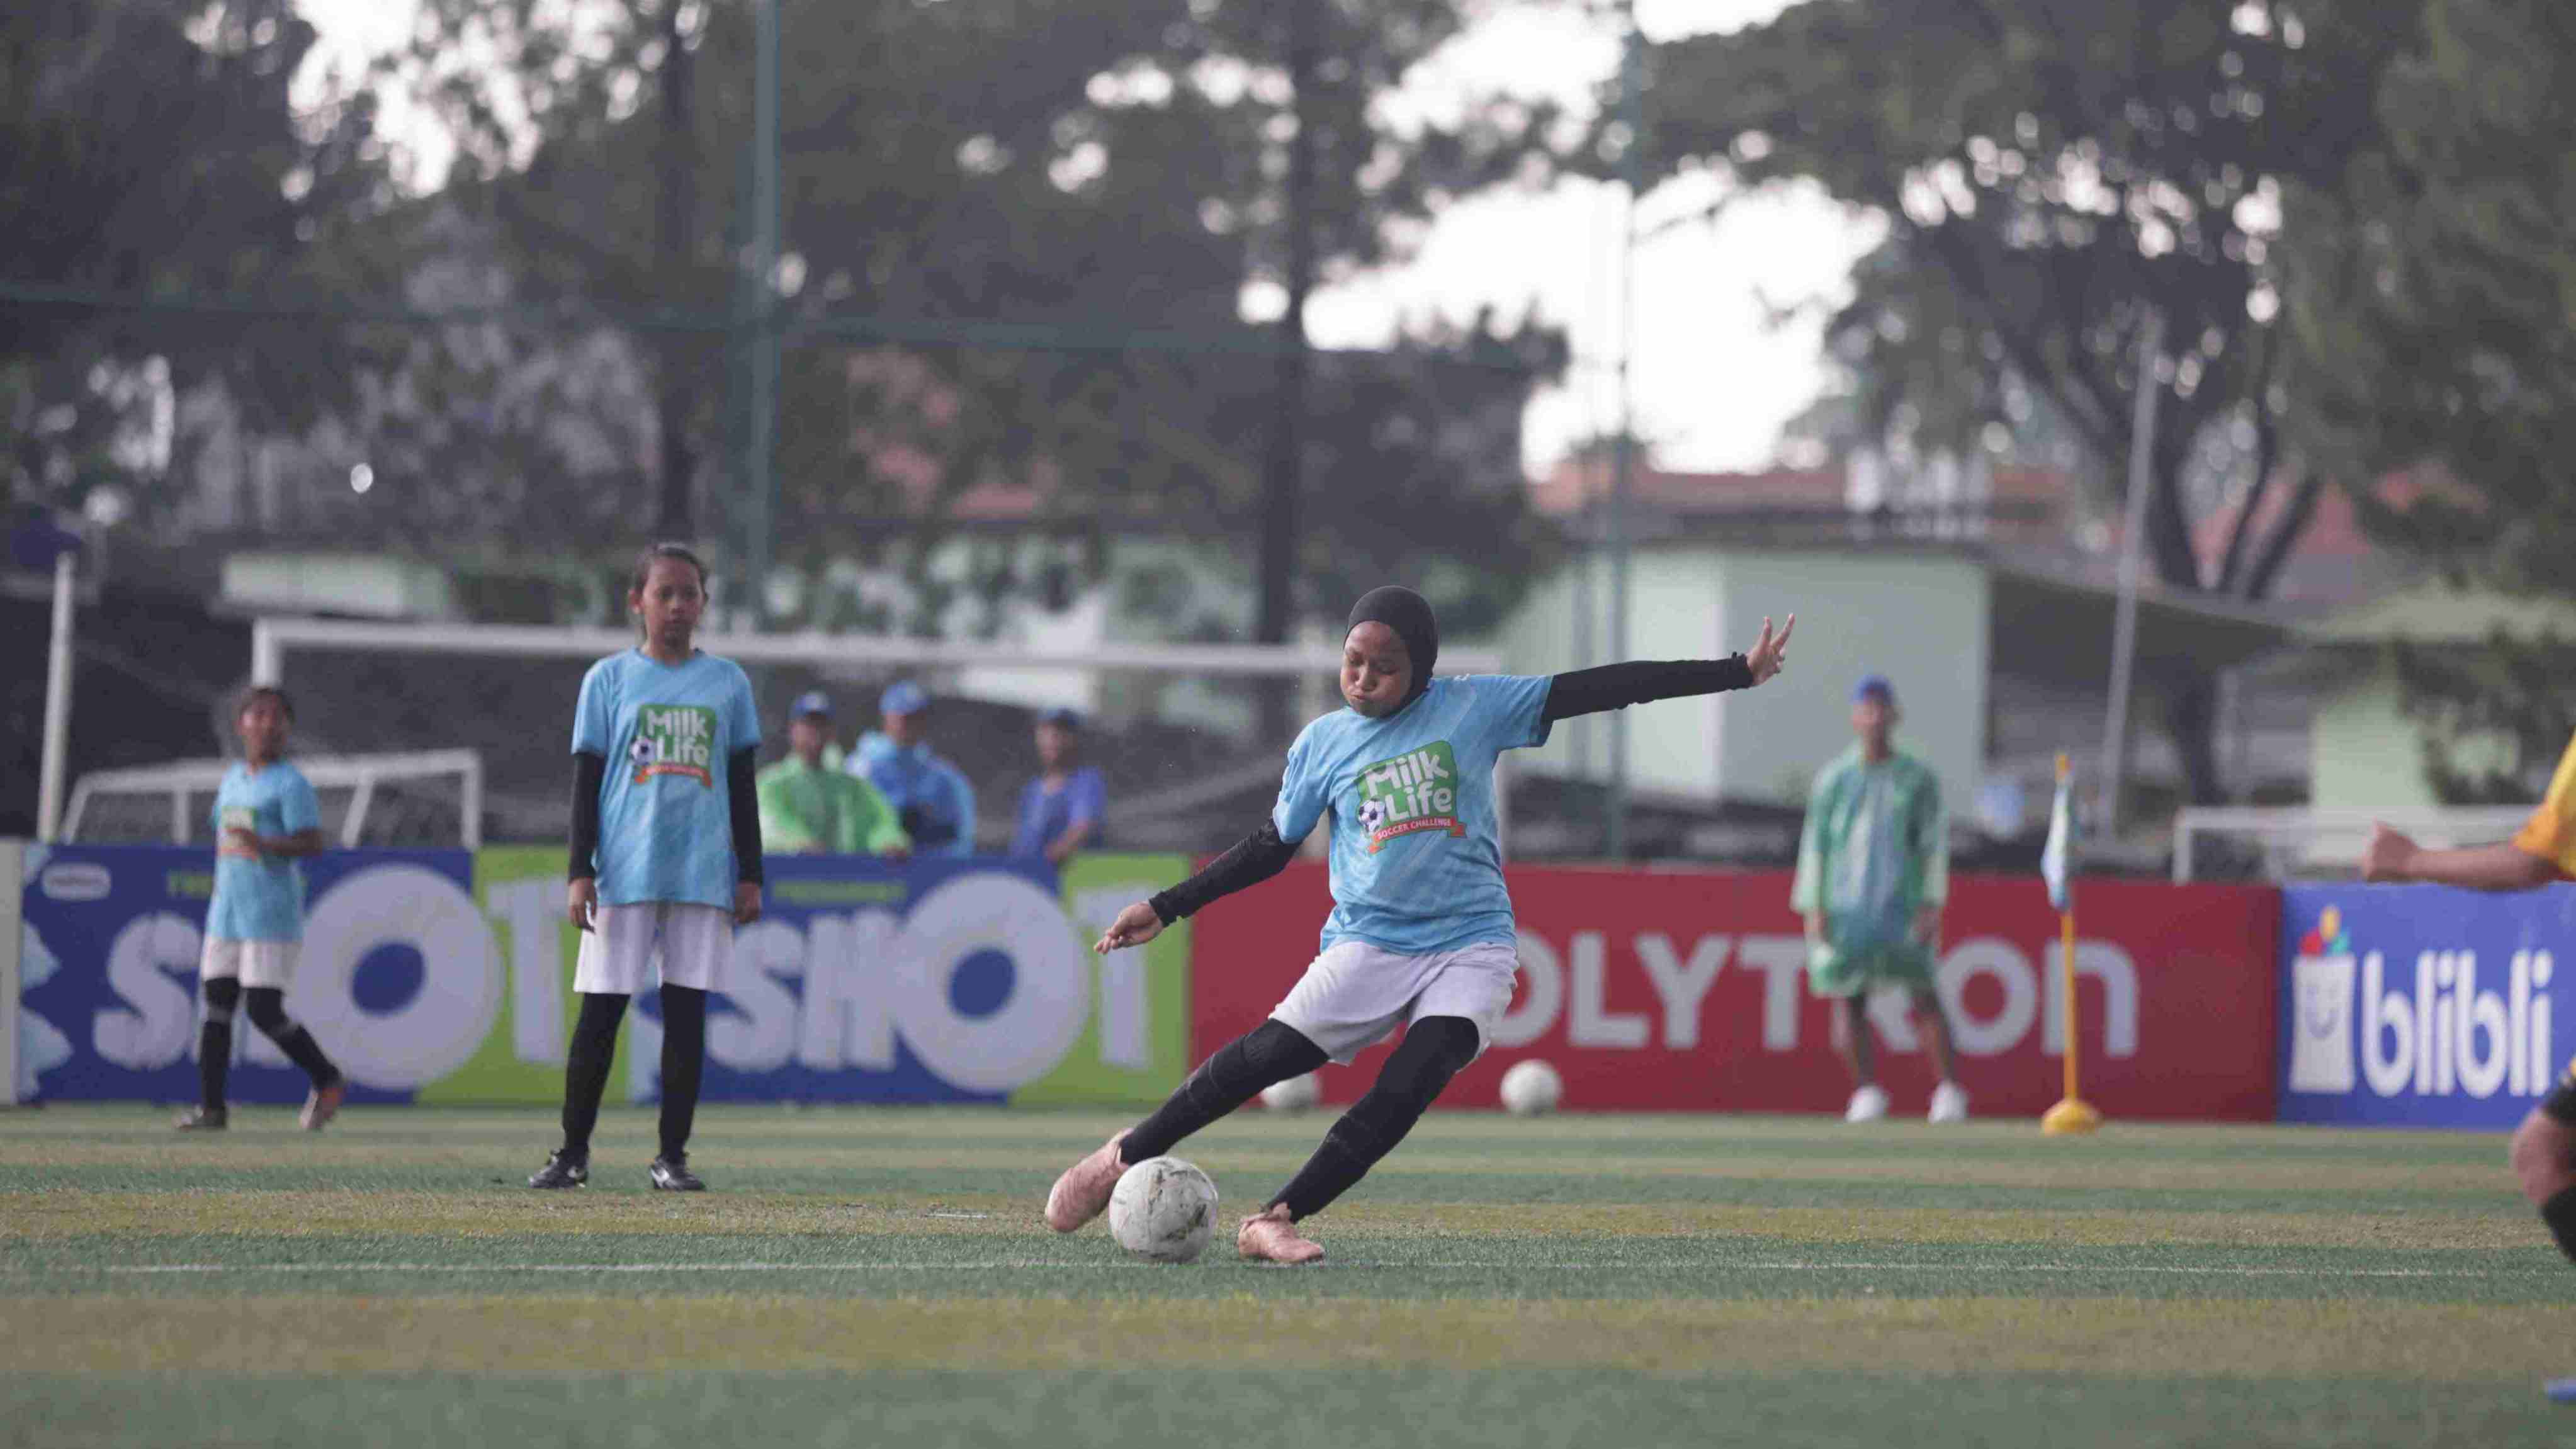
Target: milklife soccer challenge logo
1414,792
674,739
2444,1030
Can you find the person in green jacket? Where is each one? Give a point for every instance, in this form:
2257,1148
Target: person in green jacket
1873,872
810,807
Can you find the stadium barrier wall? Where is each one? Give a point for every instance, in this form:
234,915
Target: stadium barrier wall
444,976
2421,1006
1687,991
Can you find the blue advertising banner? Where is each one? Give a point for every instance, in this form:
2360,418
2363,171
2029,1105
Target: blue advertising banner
2421,1006
110,939
443,976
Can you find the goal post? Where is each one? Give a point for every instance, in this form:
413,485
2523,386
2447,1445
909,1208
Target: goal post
181,783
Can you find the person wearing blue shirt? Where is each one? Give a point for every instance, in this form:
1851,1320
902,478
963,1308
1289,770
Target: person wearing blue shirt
1060,810
665,858
1421,935
265,819
930,796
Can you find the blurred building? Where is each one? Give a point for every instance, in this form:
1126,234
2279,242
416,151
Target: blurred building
1987,597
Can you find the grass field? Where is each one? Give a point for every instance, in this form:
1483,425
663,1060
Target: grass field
880,1277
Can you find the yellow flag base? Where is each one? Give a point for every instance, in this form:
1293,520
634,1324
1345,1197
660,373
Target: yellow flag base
2072,1116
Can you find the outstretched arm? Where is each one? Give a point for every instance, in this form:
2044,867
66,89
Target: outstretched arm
1254,859
2504,866
1616,686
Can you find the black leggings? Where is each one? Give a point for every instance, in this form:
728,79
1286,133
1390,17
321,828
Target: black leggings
594,1046
266,1008
1434,1049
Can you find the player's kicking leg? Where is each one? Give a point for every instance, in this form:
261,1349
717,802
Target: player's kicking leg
1270,1053
1434,1049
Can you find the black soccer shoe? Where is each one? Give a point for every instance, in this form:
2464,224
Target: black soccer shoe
203,1119
562,1171
671,1174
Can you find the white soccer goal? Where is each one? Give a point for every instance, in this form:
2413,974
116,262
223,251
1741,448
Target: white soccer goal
355,791
2294,841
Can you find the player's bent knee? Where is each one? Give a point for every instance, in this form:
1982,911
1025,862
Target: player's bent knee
267,1009
1434,1050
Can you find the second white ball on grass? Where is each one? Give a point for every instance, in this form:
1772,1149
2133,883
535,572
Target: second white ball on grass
1297,1094
1532,1088
1163,1209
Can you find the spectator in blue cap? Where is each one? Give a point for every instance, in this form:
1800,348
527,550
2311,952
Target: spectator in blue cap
930,796
1873,871
1060,810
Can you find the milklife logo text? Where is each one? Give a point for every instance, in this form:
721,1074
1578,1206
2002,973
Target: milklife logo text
675,739
1413,792
2447,1026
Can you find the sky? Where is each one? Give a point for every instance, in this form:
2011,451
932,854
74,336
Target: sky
1713,379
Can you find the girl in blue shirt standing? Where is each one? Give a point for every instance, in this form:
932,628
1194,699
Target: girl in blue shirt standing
266,819
1421,935
665,854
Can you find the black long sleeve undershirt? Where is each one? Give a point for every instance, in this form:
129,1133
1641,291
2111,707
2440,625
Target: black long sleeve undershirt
1616,686
742,789
742,797
589,769
1254,859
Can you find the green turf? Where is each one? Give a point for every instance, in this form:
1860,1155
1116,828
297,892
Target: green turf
869,1277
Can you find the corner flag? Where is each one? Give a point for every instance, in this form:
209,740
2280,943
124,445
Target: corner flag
2055,859
2072,1115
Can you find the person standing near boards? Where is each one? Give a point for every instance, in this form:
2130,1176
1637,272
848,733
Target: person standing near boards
665,854
266,819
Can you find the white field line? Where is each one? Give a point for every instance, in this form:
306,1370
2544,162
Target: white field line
1030,1264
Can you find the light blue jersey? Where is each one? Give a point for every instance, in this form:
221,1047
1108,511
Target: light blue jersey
1416,867
667,732
260,897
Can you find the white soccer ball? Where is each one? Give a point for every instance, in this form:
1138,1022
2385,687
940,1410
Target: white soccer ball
1163,1209
1296,1094
1532,1088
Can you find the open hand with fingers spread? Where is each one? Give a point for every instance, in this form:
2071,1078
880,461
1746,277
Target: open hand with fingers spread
1770,652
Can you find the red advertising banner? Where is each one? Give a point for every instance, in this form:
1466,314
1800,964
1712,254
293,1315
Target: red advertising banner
1687,991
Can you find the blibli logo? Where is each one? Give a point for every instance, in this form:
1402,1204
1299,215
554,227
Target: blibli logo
2434,1033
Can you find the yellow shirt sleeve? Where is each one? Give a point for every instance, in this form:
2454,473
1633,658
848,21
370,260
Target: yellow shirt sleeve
2550,833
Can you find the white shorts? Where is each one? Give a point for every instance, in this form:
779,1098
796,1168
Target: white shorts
685,945
1355,995
262,964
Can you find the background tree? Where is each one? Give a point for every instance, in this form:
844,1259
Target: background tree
152,148
2433,337
1037,280
2050,173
